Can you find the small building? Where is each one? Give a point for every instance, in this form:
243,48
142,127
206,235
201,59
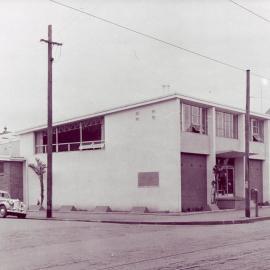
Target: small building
11,164
11,176
158,153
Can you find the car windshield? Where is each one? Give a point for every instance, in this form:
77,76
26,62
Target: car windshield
4,195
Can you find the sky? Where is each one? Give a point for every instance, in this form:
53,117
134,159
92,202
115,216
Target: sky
101,66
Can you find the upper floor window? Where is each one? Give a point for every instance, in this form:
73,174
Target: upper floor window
256,132
194,119
82,135
226,125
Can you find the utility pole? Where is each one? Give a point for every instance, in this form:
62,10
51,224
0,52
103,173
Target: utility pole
49,128
247,132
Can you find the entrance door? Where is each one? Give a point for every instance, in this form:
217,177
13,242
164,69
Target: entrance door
256,177
193,182
225,185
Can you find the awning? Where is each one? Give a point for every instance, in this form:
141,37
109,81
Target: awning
232,154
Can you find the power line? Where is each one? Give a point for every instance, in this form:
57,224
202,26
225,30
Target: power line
158,39
250,11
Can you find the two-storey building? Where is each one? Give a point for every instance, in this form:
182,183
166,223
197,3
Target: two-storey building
158,153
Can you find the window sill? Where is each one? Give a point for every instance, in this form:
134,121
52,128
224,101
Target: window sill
201,134
257,142
72,151
229,138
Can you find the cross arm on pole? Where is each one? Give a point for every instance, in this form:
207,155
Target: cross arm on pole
51,42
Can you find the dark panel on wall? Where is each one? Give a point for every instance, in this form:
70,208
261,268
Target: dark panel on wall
148,179
193,182
256,177
16,180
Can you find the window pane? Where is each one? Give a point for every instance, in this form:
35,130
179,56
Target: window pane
226,125
235,126
204,121
91,133
195,118
186,117
256,132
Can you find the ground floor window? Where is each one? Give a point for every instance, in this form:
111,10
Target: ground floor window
81,135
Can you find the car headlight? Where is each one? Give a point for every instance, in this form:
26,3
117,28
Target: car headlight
11,203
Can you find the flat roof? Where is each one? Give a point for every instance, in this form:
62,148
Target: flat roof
11,158
145,103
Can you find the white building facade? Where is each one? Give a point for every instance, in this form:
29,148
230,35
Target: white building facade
158,154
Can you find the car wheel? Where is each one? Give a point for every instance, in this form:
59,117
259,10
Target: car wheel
3,211
21,215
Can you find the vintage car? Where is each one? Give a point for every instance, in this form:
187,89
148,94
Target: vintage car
11,207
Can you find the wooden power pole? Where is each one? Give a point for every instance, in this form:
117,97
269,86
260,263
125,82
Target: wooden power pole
247,135
49,128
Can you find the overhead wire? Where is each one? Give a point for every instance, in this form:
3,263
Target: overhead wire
249,11
157,39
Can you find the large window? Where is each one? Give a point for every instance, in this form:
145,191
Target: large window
194,119
226,125
256,132
81,135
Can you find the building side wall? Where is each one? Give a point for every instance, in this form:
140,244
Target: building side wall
195,143
258,149
239,175
227,144
145,139
211,158
11,148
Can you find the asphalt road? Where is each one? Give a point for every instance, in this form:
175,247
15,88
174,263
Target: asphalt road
58,245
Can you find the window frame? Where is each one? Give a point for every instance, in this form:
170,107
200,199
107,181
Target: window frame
194,119
226,125
258,125
73,141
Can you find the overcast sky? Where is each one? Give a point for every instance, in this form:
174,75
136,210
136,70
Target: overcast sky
101,66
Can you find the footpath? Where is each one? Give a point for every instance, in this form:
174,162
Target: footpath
219,217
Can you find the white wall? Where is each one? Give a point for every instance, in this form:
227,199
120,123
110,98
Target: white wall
258,149
11,148
211,158
195,143
239,174
109,177
227,144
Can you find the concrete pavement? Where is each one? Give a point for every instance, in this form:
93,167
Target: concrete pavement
195,218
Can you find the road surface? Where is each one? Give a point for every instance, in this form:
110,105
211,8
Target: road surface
64,245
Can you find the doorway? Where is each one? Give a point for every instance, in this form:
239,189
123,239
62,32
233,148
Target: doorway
225,184
226,179
193,182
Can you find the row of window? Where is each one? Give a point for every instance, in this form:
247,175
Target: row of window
194,119
89,134
81,135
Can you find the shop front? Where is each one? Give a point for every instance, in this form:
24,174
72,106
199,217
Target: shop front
230,182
